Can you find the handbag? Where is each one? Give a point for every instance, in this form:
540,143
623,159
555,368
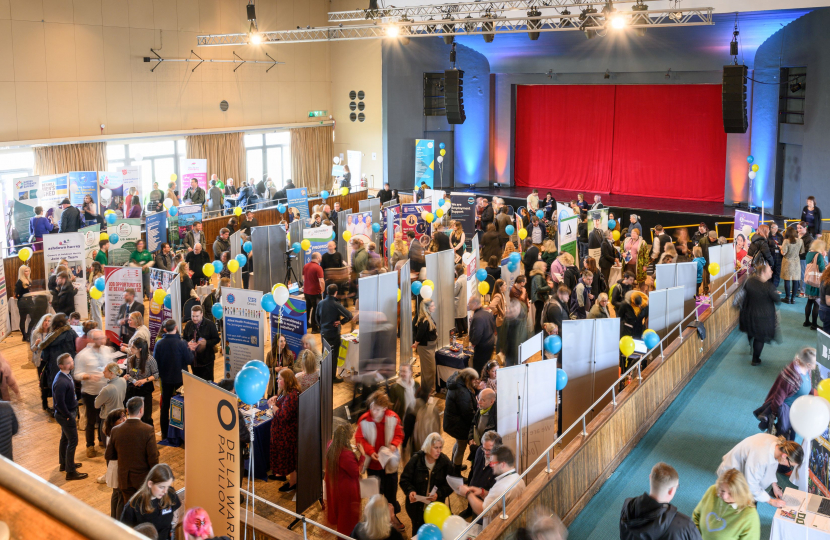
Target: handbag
812,274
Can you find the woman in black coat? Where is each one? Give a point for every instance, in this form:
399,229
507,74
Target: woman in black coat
459,410
60,340
419,479
758,317
64,300
490,243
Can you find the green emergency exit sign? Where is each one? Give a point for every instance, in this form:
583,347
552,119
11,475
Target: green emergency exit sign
317,114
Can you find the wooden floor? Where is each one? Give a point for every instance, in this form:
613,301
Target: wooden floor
36,447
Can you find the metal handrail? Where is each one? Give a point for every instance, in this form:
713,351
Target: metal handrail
583,419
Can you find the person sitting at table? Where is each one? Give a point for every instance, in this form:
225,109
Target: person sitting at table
284,428
280,356
141,374
727,510
136,322
425,475
342,481
502,464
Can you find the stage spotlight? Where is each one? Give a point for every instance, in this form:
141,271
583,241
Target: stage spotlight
533,24
618,22
640,17
392,30
587,23
469,26
256,38
565,23
487,27
448,29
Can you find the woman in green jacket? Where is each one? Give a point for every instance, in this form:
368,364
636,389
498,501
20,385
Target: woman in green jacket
143,259
815,254
727,510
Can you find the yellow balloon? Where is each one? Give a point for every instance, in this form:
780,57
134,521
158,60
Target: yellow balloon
207,269
24,254
158,296
436,513
483,288
347,235
233,265
95,293
173,177
443,152
823,389
522,233
755,167
429,217
428,283
714,269
306,245
439,212
104,236
344,191
615,235
627,346
648,331
237,211
399,295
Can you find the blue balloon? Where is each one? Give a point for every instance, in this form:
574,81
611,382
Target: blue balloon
100,284
173,211
111,219
241,259
268,303
296,247
217,311
416,287
168,301
218,266
250,385
553,344
281,208
113,238
651,339
333,237
481,274
324,194
612,224
428,531
260,366
540,214
510,229
750,160
247,247
515,257
512,267
376,227
561,379
442,146
564,214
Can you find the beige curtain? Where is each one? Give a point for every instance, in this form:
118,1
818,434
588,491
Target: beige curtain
312,150
225,154
64,158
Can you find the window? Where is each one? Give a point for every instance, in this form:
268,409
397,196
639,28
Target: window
158,159
267,155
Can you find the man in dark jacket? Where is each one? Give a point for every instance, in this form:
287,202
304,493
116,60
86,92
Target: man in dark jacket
650,516
487,215
70,218
195,194
502,220
558,309
172,355
202,337
248,222
484,419
608,256
221,244
66,407
760,244
260,188
482,333
130,305
530,258
459,410
385,195
582,236
195,260
331,316
625,284
64,300
481,475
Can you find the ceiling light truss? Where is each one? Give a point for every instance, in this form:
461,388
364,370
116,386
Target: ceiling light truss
461,9
472,26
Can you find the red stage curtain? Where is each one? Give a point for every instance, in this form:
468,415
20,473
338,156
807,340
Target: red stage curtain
564,137
662,141
669,142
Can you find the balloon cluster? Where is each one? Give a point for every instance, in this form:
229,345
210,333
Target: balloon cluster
97,290
753,169
251,382
425,289
440,524
442,152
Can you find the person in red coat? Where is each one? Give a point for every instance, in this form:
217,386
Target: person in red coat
284,426
379,429
342,482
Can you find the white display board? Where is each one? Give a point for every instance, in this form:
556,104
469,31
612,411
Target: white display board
70,247
355,162
530,347
578,364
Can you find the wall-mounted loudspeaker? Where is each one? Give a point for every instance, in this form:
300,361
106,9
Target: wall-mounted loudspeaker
454,96
734,99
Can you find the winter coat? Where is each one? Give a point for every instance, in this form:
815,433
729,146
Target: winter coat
598,312
632,322
490,246
219,246
760,245
460,294
64,301
539,288
367,432
55,344
791,263
608,255
757,318
459,409
417,477
643,518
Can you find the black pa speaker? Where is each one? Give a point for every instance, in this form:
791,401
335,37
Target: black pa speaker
454,96
734,99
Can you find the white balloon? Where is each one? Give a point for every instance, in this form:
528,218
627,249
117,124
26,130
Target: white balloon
281,295
426,292
337,160
424,215
809,416
453,526
752,175
440,159
106,193
168,202
138,157
747,230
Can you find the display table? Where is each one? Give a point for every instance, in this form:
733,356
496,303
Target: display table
348,357
806,525
448,362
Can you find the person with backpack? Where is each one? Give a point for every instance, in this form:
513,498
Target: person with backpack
816,263
760,245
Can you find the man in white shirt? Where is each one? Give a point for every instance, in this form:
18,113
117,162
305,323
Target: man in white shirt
533,202
89,368
502,463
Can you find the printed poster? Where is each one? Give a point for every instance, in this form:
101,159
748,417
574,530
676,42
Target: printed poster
159,279
111,193
360,225
194,168
598,217
319,238
5,325
82,184
131,187
187,216
23,214
396,225
118,279
424,162
53,189
92,234
71,248
743,218
568,235
156,225
464,210
411,219
244,328
129,232
294,325
298,198
25,190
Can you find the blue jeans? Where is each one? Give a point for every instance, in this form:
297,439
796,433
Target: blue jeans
803,269
795,288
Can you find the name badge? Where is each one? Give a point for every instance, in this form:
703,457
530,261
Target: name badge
166,511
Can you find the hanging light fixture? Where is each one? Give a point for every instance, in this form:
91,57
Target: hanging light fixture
565,23
488,27
588,24
448,29
533,23
640,17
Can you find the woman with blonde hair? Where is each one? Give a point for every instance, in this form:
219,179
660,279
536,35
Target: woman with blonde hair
426,334
280,356
549,252
284,429
812,275
310,373
758,458
400,251
727,510
37,333
377,523
342,481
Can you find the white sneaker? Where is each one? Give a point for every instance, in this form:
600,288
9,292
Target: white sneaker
102,479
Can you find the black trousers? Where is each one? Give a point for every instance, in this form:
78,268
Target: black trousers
311,301
757,347
93,416
388,486
415,511
461,325
116,505
537,316
167,393
26,307
144,391
334,341
68,442
811,309
44,389
482,354
204,372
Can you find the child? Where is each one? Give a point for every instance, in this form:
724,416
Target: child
697,251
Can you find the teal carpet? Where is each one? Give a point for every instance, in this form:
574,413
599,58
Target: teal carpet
710,416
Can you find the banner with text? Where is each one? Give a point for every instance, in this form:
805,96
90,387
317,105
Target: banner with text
118,279
159,279
319,238
424,162
411,219
194,168
188,215
81,185
92,234
156,225
25,190
69,247
244,328
131,185
298,198
111,192
464,210
567,238
53,189
129,232
743,218
294,325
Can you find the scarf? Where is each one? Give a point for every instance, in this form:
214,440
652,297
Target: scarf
52,337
